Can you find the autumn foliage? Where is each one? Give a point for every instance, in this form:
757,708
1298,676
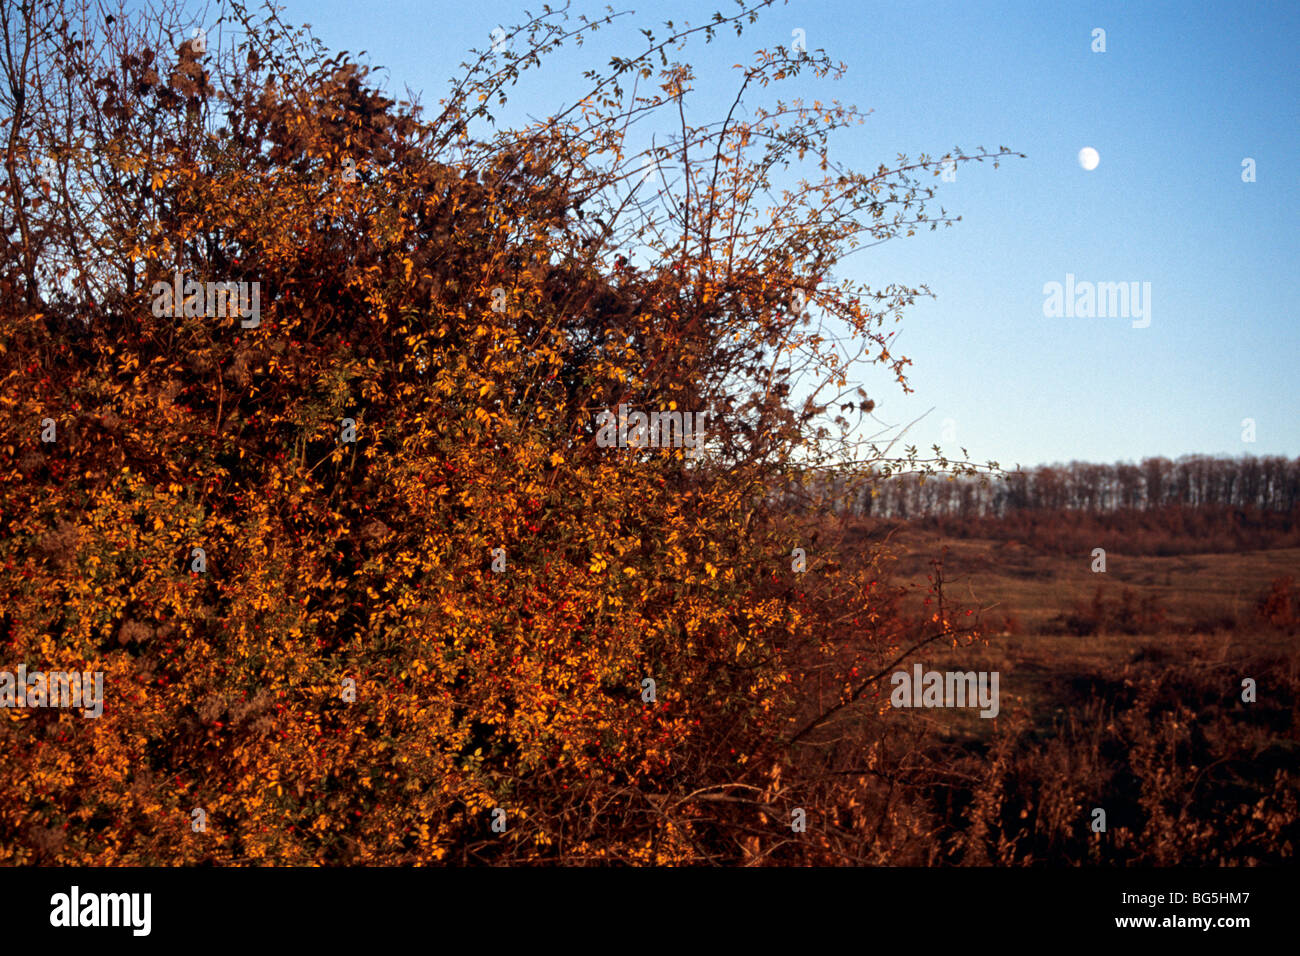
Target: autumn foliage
496,586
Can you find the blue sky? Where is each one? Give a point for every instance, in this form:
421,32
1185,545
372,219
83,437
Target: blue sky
1181,96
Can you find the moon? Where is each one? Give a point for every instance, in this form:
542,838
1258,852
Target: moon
1089,158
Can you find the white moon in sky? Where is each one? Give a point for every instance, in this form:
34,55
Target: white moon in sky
1089,158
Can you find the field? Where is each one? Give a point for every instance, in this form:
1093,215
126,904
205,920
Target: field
1120,691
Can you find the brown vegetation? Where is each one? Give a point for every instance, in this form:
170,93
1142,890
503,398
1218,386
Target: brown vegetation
346,675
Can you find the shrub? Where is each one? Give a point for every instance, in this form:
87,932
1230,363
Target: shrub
359,570
1278,604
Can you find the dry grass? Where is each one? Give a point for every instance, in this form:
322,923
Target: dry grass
1199,591
1149,726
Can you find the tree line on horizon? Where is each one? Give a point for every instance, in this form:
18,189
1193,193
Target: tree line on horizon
1247,483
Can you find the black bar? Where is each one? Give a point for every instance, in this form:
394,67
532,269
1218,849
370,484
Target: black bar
657,907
